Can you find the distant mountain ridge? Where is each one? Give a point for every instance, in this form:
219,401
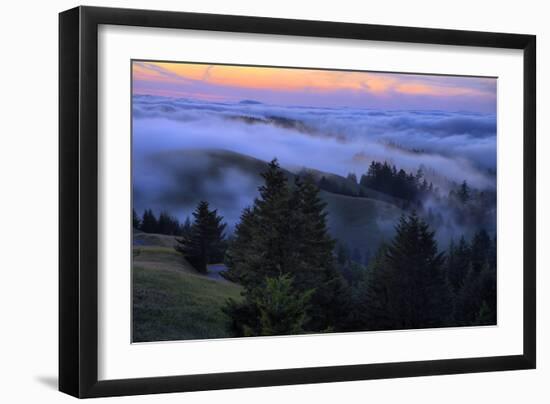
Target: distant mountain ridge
278,121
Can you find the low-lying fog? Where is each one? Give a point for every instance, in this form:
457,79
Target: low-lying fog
450,146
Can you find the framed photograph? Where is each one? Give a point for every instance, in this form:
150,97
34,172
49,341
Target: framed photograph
251,201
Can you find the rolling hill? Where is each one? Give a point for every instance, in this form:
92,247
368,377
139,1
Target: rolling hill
229,182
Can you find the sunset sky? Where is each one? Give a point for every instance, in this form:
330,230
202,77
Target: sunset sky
317,88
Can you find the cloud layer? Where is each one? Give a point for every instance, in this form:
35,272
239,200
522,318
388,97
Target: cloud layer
457,146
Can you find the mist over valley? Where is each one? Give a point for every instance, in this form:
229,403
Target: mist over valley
185,151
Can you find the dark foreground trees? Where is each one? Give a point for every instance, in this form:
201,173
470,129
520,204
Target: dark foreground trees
282,242
295,280
410,284
475,299
406,286
280,308
203,243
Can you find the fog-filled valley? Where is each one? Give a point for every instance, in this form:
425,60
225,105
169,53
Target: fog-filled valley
185,151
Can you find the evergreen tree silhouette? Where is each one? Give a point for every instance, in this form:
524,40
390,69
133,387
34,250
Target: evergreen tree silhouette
284,233
136,223
407,287
458,264
149,223
204,243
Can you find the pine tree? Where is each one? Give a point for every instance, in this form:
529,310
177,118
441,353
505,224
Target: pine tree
281,309
285,233
272,229
458,264
242,259
372,309
388,179
163,223
185,228
424,187
463,192
342,255
468,300
259,249
324,184
418,177
407,288
488,280
204,243
149,223
135,220
167,224
315,264
481,250
478,295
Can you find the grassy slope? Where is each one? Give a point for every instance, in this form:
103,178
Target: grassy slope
147,239
173,302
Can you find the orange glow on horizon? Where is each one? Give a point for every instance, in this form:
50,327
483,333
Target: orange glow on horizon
286,79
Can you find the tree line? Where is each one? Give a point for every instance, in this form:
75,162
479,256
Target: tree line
163,224
382,177
201,241
388,179
411,284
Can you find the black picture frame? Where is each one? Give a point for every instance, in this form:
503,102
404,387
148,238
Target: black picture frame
78,201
